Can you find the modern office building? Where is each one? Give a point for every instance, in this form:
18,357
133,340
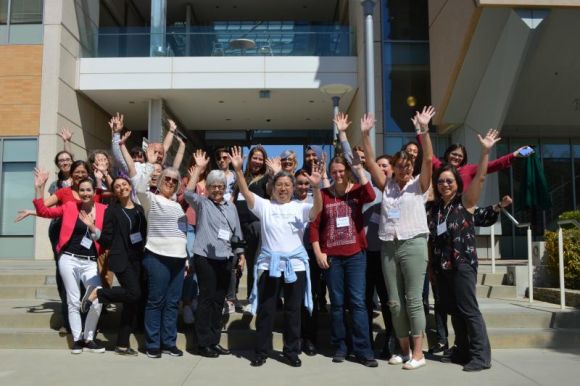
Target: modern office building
255,71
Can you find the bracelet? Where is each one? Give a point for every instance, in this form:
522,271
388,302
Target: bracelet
96,234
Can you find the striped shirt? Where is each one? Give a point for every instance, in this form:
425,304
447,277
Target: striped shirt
166,221
215,225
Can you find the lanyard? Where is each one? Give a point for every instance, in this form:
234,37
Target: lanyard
336,203
447,215
131,222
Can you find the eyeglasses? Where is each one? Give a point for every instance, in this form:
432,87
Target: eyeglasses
222,158
288,160
456,155
171,179
216,187
445,181
63,160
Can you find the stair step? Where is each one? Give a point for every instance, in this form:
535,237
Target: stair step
25,279
28,292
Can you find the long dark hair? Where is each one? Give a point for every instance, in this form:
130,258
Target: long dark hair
60,176
78,163
456,175
418,159
456,146
247,173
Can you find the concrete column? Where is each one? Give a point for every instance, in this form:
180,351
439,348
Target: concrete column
491,101
155,127
158,27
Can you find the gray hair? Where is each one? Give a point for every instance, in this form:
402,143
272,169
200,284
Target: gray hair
165,172
216,176
283,173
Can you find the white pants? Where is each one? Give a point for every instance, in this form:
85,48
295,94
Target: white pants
74,270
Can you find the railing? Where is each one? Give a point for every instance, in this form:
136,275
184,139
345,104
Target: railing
530,264
561,258
194,42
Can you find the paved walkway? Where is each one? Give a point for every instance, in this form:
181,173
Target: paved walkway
59,367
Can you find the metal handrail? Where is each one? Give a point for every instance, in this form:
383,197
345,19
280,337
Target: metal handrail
527,225
561,258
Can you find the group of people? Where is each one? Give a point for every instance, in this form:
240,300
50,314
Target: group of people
356,226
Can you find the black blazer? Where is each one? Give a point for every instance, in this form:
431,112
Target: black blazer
115,235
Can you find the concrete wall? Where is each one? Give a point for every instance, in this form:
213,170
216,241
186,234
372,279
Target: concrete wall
20,79
67,23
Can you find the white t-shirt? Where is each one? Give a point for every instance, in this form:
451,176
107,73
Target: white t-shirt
282,227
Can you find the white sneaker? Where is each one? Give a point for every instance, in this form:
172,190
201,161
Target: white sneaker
247,309
414,364
188,317
397,359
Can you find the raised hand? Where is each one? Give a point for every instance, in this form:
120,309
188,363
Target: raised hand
87,218
274,165
101,166
116,123
65,134
201,159
416,124
172,125
98,175
22,214
505,201
367,122
124,138
151,154
341,121
40,177
322,165
236,158
424,117
314,177
490,139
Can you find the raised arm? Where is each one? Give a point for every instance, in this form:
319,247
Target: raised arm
324,175
201,162
436,161
130,164
40,178
423,118
237,161
367,122
180,152
471,196
116,124
168,140
314,179
342,123
66,136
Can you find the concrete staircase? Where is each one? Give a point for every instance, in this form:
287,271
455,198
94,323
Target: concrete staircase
30,316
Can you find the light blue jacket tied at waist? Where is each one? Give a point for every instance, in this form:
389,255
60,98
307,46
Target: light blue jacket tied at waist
289,274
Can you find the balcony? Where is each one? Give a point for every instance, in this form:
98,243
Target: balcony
271,39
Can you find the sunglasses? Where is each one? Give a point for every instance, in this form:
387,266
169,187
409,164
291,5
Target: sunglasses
171,179
456,155
222,158
446,181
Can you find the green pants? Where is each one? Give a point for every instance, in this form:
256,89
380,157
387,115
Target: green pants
404,266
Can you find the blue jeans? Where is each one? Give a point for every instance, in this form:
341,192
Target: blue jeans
164,281
347,275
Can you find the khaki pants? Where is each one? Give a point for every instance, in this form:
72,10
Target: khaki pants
107,276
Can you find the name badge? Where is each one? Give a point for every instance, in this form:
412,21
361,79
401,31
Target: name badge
86,242
342,222
394,213
375,218
136,237
224,234
441,228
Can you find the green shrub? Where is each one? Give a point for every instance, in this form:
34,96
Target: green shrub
571,252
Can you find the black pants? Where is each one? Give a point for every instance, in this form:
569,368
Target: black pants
129,293
268,291
213,278
457,291
310,321
53,234
252,233
440,316
376,281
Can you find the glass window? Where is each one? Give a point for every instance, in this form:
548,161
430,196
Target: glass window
405,20
3,11
556,157
19,150
26,12
17,193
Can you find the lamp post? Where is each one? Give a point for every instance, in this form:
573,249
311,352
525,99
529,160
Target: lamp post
368,11
335,91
